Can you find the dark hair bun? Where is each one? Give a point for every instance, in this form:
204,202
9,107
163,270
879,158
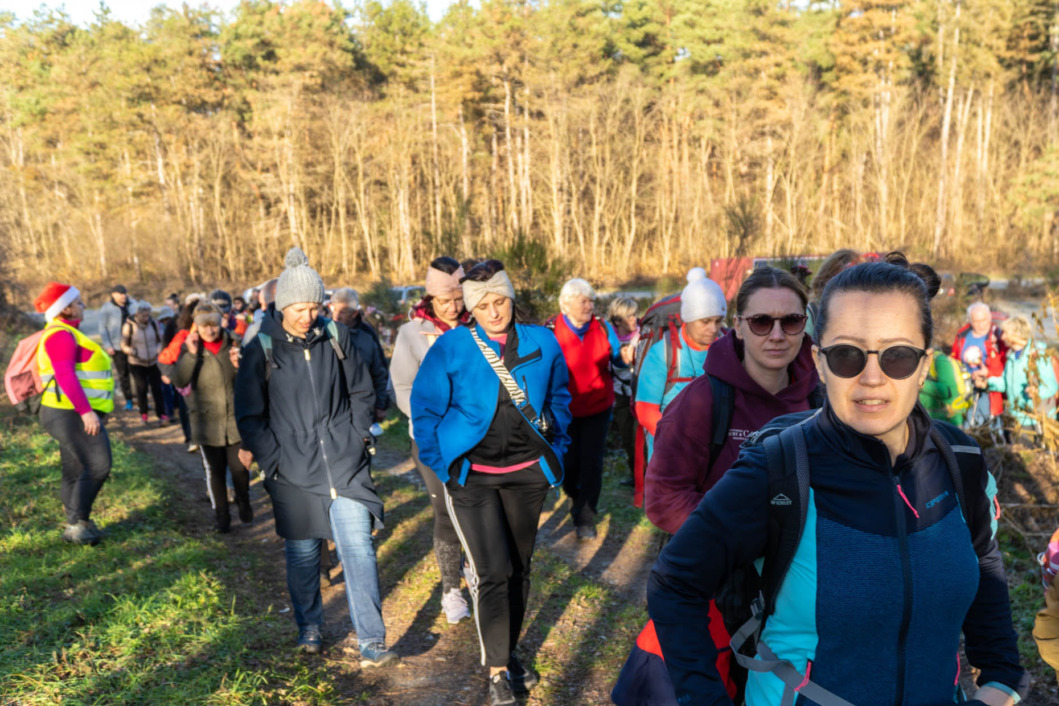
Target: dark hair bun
484,271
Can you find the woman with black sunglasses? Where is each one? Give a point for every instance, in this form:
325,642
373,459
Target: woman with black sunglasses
766,362
765,367
895,556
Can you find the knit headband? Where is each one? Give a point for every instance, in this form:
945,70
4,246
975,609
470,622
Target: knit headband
474,292
441,284
209,319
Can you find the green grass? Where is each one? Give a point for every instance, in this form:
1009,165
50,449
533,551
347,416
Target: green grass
152,615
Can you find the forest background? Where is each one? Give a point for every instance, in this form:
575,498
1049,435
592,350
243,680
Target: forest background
603,138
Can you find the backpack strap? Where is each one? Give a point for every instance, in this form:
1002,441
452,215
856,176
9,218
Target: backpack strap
270,360
788,506
332,337
722,410
518,397
787,459
959,458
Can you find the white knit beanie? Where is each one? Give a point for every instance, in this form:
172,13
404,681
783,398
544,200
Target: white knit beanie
702,299
299,283
695,274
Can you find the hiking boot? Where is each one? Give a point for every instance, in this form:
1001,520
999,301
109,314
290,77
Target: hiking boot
246,511
522,679
586,532
375,654
83,532
310,641
193,448
163,420
455,606
223,522
500,693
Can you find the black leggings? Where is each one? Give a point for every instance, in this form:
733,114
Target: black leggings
145,375
583,479
446,541
85,460
121,366
625,423
496,517
218,460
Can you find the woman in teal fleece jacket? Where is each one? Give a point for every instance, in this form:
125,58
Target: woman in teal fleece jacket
1015,382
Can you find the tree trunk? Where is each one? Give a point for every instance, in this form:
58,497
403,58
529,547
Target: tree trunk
946,124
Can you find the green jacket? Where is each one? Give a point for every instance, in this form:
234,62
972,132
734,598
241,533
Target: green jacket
945,394
211,404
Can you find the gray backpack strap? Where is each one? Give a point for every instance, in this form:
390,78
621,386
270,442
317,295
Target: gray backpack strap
332,336
266,348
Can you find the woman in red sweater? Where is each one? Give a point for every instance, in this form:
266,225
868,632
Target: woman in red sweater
590,346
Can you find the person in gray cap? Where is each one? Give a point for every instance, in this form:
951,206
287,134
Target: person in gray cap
112,316
304,404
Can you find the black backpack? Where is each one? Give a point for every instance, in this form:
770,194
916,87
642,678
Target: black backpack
788,472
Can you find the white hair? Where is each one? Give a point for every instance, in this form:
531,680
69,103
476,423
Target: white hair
978,306
573,288
346,296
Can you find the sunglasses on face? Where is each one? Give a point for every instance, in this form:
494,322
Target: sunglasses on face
896,362
761,324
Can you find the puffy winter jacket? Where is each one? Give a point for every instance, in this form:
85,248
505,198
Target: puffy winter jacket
141,343
456,393
306,424
887,574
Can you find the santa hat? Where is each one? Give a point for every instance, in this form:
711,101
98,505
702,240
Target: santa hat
55,297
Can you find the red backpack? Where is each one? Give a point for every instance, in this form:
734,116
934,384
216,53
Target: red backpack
660,323
22,377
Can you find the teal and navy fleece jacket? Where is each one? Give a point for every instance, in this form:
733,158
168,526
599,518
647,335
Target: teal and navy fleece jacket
889,571
457,402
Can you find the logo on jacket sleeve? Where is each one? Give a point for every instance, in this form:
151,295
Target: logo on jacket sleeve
780,499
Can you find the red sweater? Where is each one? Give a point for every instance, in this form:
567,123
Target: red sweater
588,360
64,353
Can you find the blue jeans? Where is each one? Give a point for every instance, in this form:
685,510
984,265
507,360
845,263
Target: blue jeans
351,527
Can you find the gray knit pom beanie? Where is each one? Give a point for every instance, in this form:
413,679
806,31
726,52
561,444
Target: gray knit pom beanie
299,283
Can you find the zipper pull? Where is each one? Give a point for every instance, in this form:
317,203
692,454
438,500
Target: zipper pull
306,354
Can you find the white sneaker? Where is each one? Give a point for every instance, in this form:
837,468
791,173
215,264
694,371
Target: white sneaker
192,448
455,606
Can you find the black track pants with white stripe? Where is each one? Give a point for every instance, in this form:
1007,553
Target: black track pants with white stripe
217,462
496,517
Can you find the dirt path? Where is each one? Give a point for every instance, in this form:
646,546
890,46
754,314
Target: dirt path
439,661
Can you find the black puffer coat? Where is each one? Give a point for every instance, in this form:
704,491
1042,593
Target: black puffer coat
211,405
306,424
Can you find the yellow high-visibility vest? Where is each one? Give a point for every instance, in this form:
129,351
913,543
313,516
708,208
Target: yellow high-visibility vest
95,374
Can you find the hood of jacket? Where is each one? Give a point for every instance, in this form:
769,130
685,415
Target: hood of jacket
725,362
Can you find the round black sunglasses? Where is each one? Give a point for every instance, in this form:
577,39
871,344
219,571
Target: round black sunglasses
896,362
761,324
